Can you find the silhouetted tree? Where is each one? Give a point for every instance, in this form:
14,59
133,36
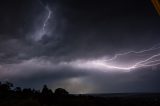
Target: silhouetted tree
46,91
18,89
5,89
46,95
61,91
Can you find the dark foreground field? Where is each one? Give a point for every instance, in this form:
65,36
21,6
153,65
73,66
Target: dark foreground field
10,96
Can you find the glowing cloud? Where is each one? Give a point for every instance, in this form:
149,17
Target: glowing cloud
110,65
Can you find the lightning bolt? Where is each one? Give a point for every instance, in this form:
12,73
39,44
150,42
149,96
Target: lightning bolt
143,63
155,47
42,31
48,16
147,61
47,19
106,64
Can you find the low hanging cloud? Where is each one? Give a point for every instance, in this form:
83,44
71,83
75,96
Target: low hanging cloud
38,71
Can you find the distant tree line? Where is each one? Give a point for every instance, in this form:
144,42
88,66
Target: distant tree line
27,95
16,96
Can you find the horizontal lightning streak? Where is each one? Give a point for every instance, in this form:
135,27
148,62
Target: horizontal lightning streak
150,58
136,52
139,64
148,65
105,65
150,61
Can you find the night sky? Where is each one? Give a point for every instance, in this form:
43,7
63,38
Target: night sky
84,46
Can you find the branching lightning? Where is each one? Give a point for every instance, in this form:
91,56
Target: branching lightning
147,62
155,47
109,64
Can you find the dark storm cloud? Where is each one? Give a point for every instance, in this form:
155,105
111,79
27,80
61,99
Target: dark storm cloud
100,27
80,29
104,27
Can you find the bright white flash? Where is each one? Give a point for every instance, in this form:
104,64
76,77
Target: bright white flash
112,64
149,61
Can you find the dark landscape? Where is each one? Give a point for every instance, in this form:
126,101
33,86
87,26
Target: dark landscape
10,96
